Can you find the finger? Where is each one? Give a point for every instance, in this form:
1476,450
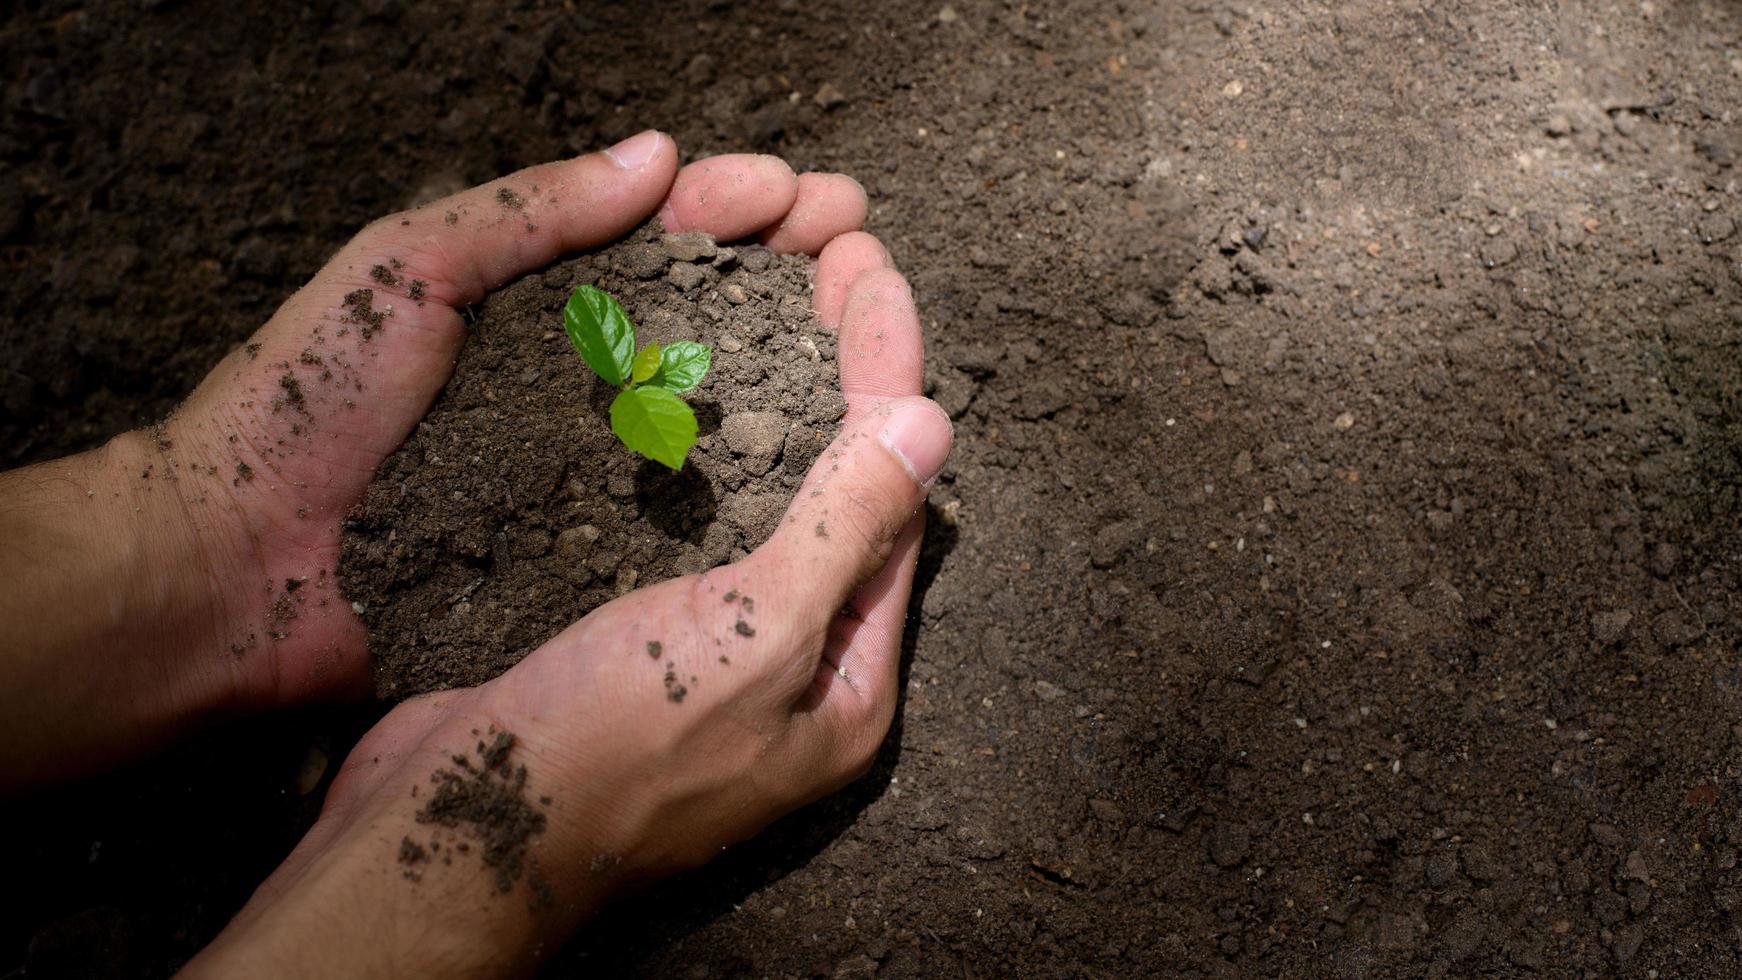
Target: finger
853,694
463,246
827,205
881,353
367,345
730,196
863,644
842,527
842,262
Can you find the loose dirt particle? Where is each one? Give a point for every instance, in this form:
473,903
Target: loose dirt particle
293,391
360,309
486,803
411,852
673,690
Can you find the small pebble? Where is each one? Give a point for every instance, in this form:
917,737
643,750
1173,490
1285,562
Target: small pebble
829,97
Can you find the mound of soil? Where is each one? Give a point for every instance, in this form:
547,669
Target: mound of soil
512,510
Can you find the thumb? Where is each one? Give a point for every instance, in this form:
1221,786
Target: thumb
843,524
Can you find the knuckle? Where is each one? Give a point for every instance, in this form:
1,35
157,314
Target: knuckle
864,512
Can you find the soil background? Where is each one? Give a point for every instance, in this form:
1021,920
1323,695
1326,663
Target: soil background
1337,572
513,511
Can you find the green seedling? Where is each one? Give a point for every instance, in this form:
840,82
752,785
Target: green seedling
647,415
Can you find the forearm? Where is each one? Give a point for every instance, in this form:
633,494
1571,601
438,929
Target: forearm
104,596
359,911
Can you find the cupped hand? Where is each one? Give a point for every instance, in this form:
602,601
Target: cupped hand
684,716
283,437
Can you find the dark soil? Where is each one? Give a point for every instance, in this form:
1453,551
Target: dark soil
513,511
1337,574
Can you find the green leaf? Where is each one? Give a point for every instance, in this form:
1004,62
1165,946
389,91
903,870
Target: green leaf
646,363
601,331
683,364
655,423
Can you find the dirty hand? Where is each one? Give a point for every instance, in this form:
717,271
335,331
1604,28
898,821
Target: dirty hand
191,565
471,830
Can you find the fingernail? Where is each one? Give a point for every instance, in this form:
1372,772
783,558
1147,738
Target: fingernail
634,152
918,433
668,218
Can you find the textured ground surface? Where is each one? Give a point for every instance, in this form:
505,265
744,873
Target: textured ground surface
513,511
1337,573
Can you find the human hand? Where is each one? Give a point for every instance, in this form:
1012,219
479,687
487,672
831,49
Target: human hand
192,563
291,427
788,662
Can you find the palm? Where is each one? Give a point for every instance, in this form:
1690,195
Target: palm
822,677
292,426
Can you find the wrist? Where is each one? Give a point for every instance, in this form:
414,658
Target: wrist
111,550
423,865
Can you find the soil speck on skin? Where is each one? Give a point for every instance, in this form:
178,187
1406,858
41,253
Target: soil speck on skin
359,305
509,199
674,691
744,629
411,852
245,471
282,610
486,804
383,275
293,391
655,649
253,350
417,290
